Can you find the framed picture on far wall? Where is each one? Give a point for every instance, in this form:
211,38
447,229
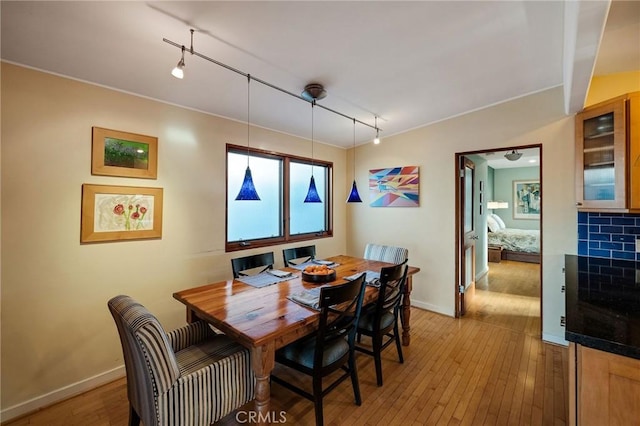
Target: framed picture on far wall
526,199
116,213
123,154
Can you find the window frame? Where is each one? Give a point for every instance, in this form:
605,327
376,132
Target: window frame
285,207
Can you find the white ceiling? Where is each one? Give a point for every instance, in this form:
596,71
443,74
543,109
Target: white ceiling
409,63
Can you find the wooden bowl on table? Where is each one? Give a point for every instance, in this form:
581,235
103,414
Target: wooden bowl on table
318,274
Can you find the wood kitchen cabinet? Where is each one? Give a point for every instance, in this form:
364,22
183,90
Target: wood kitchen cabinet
608,155
604,388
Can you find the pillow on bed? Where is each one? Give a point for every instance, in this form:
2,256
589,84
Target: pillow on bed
492,224
499,220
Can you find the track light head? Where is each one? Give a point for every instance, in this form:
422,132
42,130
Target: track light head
376,140
178,71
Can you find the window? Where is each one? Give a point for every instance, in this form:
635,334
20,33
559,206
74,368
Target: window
281,215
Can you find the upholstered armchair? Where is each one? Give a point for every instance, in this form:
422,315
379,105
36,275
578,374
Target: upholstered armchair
188,377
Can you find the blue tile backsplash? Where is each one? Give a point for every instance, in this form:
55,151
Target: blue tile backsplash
608,235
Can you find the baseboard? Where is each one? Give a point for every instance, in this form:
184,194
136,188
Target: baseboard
482,273
554,339
432,308
61,394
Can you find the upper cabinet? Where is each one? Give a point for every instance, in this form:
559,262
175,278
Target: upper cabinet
608,155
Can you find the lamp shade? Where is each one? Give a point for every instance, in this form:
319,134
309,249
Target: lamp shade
247,190
513,155
312,194
354,197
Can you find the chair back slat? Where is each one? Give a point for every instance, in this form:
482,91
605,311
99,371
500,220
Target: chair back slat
241,264
389,254
340,308
307,253
392,282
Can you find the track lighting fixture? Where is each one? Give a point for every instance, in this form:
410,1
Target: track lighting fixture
354,197
312,194
311,89
313,92
376,141
178,71
248,190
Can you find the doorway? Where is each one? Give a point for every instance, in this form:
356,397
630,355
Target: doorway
505,282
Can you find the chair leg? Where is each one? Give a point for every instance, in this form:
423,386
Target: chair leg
377,357
396,335
134,418
317,400
354,378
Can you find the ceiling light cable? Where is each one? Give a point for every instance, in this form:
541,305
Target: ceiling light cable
230,68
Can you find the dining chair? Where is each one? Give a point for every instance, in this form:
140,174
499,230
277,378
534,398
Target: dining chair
389,254
379,320
331,347
241,264
293,254
190,376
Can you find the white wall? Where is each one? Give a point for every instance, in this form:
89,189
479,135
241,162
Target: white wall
56,330
429,230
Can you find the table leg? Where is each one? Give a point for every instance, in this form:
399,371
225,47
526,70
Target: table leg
262,362
406,312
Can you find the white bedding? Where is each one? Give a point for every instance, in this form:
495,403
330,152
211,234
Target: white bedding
522,240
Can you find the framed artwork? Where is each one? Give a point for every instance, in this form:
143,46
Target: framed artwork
116,213
394,187
116,153
526,199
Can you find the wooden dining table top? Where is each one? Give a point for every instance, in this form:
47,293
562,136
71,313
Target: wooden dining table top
257,316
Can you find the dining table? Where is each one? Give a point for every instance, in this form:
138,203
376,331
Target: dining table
264,319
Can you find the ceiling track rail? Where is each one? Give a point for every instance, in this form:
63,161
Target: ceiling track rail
266,83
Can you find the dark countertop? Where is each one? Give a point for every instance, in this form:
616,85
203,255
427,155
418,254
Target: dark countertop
603,304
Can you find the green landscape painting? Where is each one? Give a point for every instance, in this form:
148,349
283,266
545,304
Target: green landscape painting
123,153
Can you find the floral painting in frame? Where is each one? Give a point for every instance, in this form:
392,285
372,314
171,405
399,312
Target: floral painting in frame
394,187
526,199
115,213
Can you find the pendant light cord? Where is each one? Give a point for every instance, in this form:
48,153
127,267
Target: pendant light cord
354,149
248,114
312,105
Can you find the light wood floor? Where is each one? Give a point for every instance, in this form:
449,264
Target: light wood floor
489,368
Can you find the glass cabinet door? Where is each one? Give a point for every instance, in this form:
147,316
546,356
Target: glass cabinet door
601,156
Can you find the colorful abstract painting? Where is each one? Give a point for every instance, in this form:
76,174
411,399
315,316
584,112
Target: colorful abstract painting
394,187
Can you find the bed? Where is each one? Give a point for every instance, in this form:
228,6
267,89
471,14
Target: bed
522,245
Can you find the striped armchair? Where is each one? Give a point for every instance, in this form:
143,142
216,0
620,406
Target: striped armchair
188,377
386,253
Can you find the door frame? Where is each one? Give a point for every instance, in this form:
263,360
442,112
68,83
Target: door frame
459,217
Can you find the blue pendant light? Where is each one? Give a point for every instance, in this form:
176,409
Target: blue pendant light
354,197
248,190
312,194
